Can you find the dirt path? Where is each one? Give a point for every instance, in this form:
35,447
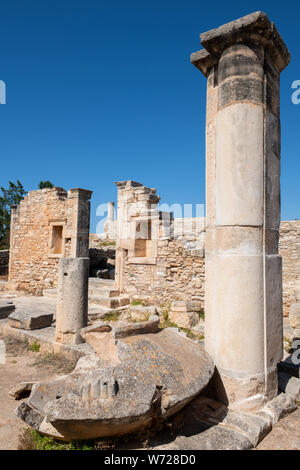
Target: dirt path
19,368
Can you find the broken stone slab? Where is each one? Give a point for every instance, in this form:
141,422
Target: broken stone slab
289,384
6,308
253,426
150,378
184,319
30,320
141,313
279,407
211,413
122,330
214,438
20,388
101,334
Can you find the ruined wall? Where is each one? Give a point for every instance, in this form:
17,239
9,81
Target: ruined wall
47,225
179,272
289,248
158,258
173,268
178,275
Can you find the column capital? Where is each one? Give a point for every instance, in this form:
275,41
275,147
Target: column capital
255,30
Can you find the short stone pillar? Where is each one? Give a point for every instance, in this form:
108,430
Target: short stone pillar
110,211
79,202
72,299
243,288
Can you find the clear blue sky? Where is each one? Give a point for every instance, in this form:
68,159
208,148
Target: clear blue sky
104,91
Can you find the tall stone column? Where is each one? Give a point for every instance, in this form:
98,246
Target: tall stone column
243,300
72,299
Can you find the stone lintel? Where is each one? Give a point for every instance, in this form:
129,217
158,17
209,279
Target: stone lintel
255,29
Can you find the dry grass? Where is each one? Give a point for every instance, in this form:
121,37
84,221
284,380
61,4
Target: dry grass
55,363
15,346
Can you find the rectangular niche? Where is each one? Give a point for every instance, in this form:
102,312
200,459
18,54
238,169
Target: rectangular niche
144,248
57,240
142,242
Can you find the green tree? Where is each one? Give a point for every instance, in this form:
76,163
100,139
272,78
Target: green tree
11,196
45,184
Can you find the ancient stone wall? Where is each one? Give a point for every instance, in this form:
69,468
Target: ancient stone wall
179,272
177,275
158,258
173,264
49,224
289,248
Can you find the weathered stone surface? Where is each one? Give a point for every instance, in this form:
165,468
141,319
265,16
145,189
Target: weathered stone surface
289,243
279,407
243,30
254,427
158,258
285,435
30,320
72,299
47,224
155,375
184,319
141,313
294,316
122,329
6,308
204,428
214,438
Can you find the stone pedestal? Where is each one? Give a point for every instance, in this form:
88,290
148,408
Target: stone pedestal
243,300
72,299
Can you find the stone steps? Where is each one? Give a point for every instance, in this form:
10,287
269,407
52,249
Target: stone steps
103,291
109,302
97,311
97,282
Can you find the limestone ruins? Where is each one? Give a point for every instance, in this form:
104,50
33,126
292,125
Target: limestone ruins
160,310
